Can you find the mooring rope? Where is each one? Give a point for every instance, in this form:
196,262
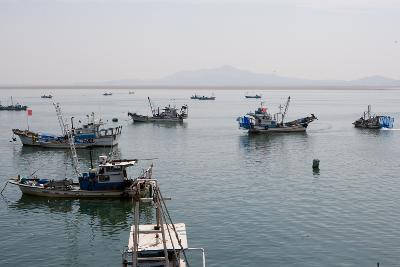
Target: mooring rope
173,226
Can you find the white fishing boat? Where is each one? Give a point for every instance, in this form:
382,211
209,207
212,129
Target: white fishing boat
167,114
91,134
162,243
261,121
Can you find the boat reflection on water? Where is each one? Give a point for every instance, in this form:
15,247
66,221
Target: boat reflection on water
110,215
159,125
84,153
271,142
44,205
33,154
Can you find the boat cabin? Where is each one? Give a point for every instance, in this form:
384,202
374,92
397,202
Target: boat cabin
110,175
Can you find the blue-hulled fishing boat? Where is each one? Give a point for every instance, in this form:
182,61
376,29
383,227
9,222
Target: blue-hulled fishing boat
108,180
370,121
261,121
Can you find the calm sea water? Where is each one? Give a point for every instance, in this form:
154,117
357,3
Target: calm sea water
248,200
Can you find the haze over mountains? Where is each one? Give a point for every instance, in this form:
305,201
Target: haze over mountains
231,76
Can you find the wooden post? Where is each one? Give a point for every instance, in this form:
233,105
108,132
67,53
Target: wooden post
166,264
135,237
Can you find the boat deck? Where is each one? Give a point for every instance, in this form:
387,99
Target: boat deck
148,241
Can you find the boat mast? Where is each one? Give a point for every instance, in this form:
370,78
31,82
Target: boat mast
65,129
151,106
60,118
369,112
286,109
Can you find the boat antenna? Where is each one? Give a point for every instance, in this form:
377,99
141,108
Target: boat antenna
167,216
91,158
60,118
72,122
33,173
286,109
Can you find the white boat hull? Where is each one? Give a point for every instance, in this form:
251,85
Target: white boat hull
29,141
141,118
106,141
100,142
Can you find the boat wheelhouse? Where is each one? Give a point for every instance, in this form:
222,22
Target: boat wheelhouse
95,132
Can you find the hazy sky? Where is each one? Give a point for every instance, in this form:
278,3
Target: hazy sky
50,41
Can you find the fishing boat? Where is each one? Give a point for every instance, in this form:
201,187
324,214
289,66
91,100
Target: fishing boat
206,97
370,121
253,96
109,179
47,96
88,135
261,121
199,97
161,243
131,92
167,114
13,107
107,94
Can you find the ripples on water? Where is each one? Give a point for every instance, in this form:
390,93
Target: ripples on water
248,200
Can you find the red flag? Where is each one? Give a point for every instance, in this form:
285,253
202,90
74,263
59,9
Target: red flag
29,112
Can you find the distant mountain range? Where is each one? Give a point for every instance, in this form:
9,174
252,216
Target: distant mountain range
231,76
225,76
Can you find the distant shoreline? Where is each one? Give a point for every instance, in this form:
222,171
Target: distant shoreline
203,87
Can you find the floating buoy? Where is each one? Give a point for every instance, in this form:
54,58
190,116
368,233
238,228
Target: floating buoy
315,164
115,119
